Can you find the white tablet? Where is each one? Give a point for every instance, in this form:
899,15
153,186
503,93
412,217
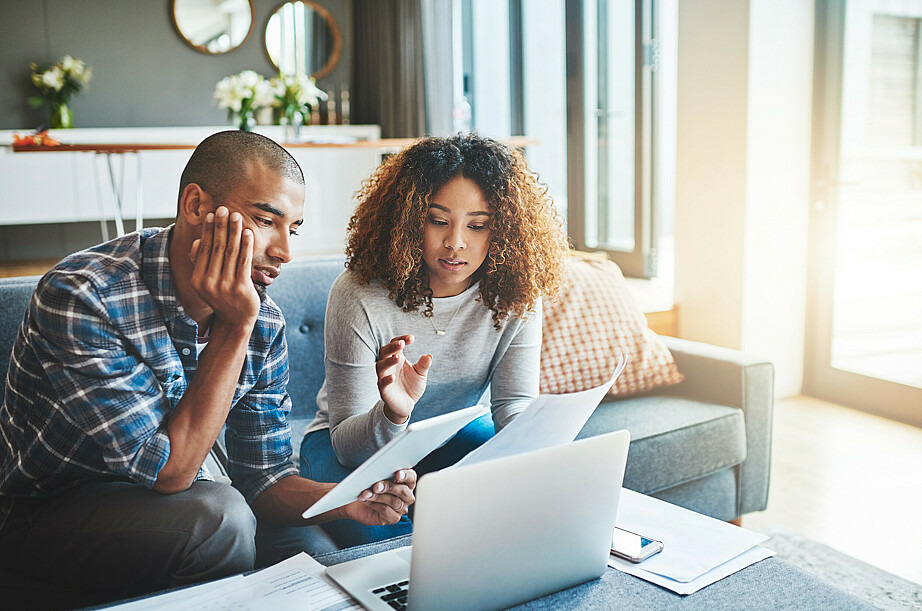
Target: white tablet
403,451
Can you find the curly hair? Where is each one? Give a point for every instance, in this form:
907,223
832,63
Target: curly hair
527,243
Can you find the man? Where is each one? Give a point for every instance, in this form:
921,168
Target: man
132,357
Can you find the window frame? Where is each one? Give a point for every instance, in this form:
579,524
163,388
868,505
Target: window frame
641,261
878,396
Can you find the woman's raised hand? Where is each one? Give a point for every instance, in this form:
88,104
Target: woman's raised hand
400,382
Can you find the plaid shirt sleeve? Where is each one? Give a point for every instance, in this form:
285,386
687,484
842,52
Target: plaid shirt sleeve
103,388
258,434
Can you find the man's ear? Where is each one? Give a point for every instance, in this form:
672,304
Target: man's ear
195,204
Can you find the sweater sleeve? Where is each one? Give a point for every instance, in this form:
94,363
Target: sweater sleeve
516,379
358,426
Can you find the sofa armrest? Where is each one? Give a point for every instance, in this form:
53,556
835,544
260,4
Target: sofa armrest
736,379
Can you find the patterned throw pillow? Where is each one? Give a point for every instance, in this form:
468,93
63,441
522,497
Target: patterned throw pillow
594,319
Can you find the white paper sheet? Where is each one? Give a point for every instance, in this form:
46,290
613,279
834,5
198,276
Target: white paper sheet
551,420
693,543
296,583
749,557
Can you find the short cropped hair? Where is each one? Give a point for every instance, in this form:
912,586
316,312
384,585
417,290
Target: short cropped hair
527,242
218,162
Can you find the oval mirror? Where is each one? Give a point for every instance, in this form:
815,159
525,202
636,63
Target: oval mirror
213,26
302,37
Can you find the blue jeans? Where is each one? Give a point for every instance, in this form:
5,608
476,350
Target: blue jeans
319,463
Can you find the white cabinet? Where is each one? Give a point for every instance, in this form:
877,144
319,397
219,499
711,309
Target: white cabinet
67,187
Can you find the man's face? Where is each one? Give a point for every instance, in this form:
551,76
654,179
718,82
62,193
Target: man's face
272,207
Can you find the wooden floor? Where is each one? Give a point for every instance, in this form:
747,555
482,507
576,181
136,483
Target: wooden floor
33,267
847,479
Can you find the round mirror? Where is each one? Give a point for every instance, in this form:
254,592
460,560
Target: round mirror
302,37
213,26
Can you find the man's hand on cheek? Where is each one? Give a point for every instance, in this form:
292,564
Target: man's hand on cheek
222,273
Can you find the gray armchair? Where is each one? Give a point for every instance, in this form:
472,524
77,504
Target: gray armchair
704,443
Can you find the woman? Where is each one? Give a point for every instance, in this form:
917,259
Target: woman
451,248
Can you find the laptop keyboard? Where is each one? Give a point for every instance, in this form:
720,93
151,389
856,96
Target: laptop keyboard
394,595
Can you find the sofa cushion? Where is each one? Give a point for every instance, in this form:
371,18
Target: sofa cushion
16,295
684,441
713,495
594,320
301,292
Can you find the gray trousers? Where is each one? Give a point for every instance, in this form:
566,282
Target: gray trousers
106,541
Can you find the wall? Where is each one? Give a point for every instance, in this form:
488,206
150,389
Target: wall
742,177
711,169
144,74
62,214
778,185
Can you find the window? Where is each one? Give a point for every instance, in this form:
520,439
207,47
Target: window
865,317
621,86
510,72
593,82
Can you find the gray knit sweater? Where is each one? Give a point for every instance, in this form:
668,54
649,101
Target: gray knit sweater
471,358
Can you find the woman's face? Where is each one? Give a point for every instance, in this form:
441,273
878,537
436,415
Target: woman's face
456,237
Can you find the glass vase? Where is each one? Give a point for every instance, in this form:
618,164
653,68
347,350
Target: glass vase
292,122
62,117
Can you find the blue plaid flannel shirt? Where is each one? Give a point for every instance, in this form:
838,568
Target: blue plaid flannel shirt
103,356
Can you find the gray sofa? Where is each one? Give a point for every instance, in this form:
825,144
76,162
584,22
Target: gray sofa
703,444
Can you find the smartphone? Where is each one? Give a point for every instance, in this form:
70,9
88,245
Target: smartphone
632,546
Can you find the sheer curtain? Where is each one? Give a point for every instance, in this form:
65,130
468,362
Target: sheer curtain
439,59
388,80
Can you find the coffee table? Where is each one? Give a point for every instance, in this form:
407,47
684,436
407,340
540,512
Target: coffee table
769,584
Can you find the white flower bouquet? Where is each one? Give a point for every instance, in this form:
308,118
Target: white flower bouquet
56,84
242,95
296,94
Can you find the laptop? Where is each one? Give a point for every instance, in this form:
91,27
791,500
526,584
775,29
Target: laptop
502,532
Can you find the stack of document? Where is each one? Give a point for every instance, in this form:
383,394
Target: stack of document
297,583
697,550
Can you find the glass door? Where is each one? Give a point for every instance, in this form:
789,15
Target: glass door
864,323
